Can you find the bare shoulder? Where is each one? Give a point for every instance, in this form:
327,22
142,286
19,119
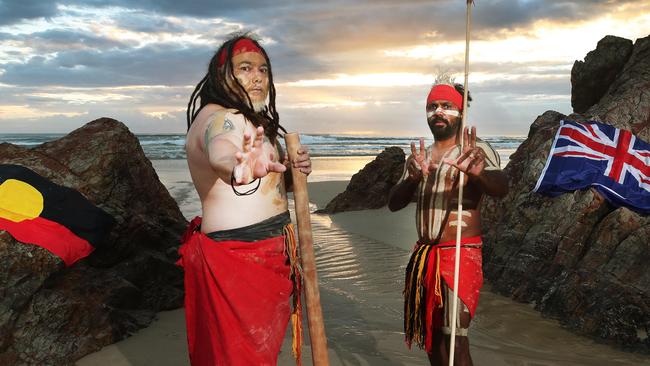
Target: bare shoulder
225,122
212,121
210,114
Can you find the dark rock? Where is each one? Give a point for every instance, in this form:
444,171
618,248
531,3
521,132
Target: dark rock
577,258
626,104
369,187
52,315
591,78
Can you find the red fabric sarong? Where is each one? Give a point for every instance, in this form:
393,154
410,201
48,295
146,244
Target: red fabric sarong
236,299
430,265
469,283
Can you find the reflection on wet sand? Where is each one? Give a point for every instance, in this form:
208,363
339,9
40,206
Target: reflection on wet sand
361,282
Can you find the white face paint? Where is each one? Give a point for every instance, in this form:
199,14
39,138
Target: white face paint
449,112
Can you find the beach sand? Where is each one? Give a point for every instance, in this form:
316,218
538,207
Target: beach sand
361,258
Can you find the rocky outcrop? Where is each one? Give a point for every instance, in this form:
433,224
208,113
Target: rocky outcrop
369,187
574,256
627,101
591,78
52,315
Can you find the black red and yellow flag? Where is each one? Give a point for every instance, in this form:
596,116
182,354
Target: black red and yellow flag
37,211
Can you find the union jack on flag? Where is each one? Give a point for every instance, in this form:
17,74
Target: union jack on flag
592,154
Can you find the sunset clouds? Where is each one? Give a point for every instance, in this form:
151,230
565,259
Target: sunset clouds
339,67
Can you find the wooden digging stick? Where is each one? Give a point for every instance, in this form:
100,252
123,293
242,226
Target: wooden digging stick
310,281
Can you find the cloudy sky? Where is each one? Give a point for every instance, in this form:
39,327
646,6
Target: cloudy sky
349,67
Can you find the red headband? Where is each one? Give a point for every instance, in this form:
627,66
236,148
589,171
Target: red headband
445,92
242,46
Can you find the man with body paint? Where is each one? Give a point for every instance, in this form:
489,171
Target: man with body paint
433,175
240,259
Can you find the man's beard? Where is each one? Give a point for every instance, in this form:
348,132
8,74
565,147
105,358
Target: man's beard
441,133
259,106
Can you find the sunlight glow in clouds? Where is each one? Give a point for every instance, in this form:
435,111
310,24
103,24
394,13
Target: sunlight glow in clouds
81,98
337,104
546,52
28,112
370,80
11,51
102,23
416,79
160,112
545,42
482,77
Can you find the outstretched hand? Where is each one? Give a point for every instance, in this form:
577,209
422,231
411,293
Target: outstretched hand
252,162
472,159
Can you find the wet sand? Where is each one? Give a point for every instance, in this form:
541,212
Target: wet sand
361,258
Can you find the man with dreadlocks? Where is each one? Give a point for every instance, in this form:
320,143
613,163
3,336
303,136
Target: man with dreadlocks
240,258
433,173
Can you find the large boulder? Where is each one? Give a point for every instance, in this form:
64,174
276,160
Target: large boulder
575,256
591,78
369,187
627,101
53,315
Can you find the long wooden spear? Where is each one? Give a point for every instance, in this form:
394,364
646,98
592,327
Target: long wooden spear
459,221
310,281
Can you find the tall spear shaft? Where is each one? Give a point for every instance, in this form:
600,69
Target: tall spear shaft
459,221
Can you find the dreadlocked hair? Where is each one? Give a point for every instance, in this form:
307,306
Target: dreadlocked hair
214,89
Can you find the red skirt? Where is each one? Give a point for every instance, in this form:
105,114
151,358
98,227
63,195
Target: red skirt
428,267
236,299
469,284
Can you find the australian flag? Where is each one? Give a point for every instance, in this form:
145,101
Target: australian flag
615,162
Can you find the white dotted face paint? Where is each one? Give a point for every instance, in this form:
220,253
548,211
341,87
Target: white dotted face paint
449,112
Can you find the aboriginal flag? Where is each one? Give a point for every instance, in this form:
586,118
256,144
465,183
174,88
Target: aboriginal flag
37,211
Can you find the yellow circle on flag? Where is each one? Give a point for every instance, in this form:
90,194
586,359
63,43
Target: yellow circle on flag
19,201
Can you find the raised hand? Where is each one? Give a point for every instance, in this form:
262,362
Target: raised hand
252,162
417,163
472,159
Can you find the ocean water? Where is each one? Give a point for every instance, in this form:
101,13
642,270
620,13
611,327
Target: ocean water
165,147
